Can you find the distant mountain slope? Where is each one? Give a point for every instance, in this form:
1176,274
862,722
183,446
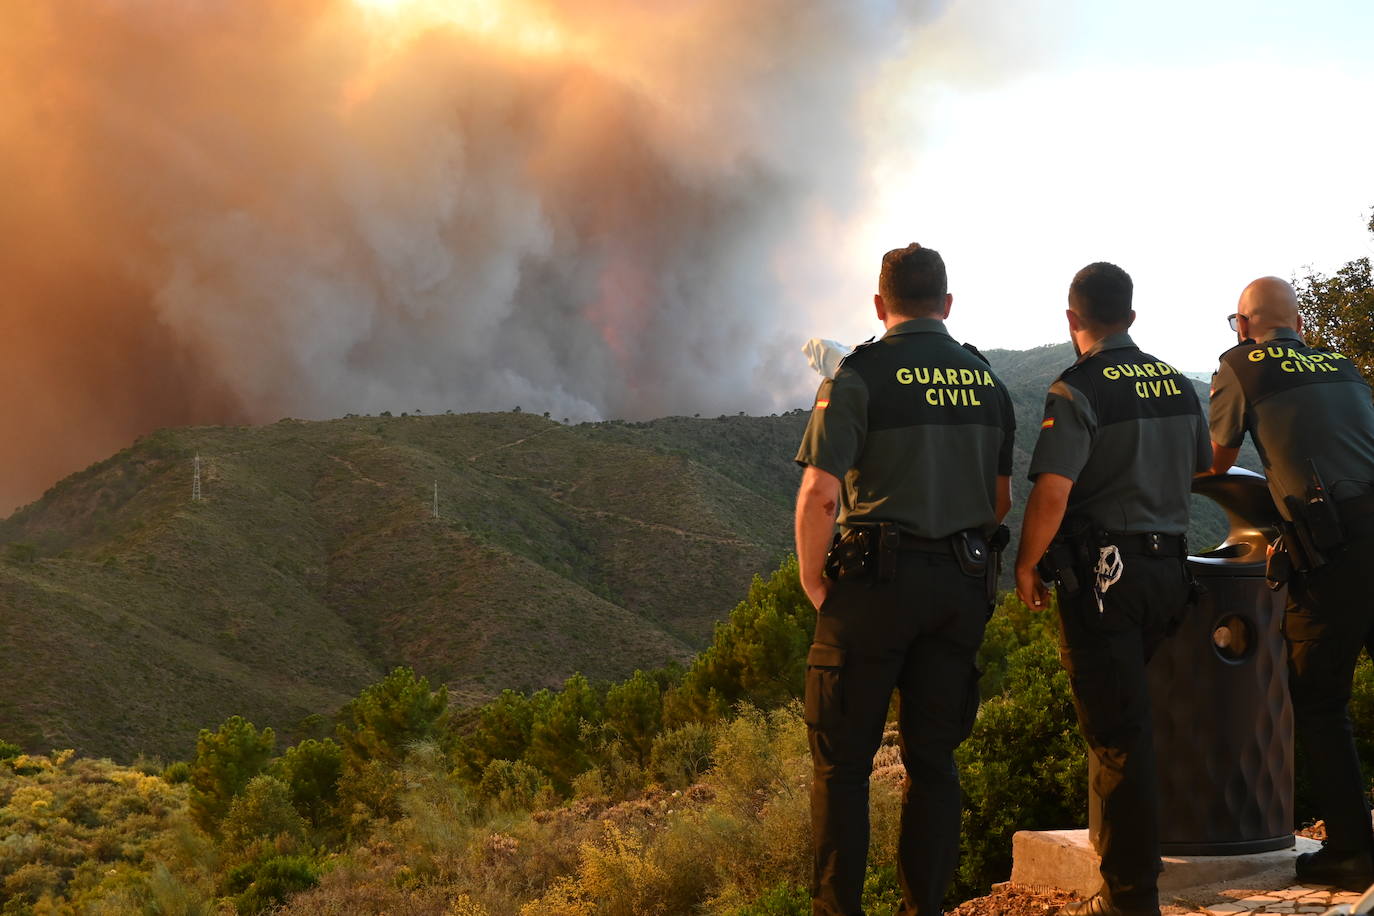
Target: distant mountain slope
131,616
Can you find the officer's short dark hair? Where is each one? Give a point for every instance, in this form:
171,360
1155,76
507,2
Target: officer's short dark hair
912,281
1101,294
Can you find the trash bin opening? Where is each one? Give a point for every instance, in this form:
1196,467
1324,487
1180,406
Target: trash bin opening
1233,639
1230,551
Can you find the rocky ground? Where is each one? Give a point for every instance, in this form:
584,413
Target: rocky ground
1014,900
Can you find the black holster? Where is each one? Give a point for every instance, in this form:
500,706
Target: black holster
870,550
1066,562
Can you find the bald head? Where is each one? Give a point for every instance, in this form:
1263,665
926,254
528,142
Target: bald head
1269,304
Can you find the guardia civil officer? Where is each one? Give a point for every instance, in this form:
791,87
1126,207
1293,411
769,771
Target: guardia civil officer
1122,436
912,443
1310,415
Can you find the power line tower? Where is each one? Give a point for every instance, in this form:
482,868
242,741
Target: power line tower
436,499
195,481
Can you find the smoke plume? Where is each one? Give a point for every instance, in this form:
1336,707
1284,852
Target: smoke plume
237,210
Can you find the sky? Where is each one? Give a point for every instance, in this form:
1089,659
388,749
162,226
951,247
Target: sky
1197,145
230,212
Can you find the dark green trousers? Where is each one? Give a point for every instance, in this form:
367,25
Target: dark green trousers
1105,654
917,634
1330,618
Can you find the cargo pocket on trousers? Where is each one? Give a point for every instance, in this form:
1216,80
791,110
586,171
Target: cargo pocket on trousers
971,701
824,698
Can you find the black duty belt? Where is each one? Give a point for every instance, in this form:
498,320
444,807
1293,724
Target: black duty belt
1149,545
1357,516
924,545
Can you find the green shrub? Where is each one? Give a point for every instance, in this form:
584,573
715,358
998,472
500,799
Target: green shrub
678,757
225,762
21,553
263,812
783,899
9,751
177,772
511,785
1023,768
260,886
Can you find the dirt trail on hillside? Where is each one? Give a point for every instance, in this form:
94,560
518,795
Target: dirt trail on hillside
491,451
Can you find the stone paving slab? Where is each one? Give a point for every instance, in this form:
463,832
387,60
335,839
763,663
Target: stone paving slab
1190,885
1288,900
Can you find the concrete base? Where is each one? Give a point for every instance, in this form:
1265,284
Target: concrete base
1065,859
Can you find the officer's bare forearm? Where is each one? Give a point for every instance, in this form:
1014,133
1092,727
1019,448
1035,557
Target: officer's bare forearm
1003,498
817,502
1223,458
1049,498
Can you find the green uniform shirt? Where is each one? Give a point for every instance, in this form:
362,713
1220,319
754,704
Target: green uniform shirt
1128,430
1298,403
918,428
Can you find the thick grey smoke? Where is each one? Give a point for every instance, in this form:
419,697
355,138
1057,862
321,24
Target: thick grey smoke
243,210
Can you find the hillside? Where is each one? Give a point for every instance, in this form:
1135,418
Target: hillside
134,616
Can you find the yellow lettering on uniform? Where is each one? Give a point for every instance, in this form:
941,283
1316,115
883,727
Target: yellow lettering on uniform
1111,373
1166,369
966,376
1315,357
937,377
1326,368
904,376
1140,391
987,377
1174,386
1150,370
1276,352
1287,365
1256,356
932,397
923,375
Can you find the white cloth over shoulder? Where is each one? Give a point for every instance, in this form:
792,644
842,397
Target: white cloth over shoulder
825,355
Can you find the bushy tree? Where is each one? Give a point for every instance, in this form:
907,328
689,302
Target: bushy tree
503,730
225,761
1338,311
311,770
634,714
397,711
557,744
757,656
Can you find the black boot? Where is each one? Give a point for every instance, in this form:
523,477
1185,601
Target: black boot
1351,871
1097,905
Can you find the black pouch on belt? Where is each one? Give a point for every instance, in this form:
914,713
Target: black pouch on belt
971,550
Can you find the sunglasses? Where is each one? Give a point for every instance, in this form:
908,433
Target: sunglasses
1234,318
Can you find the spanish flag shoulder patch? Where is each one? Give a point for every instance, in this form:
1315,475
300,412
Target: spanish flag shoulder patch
822,403
1047,423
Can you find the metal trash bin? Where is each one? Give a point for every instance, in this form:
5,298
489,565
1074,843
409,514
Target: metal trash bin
1223,720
